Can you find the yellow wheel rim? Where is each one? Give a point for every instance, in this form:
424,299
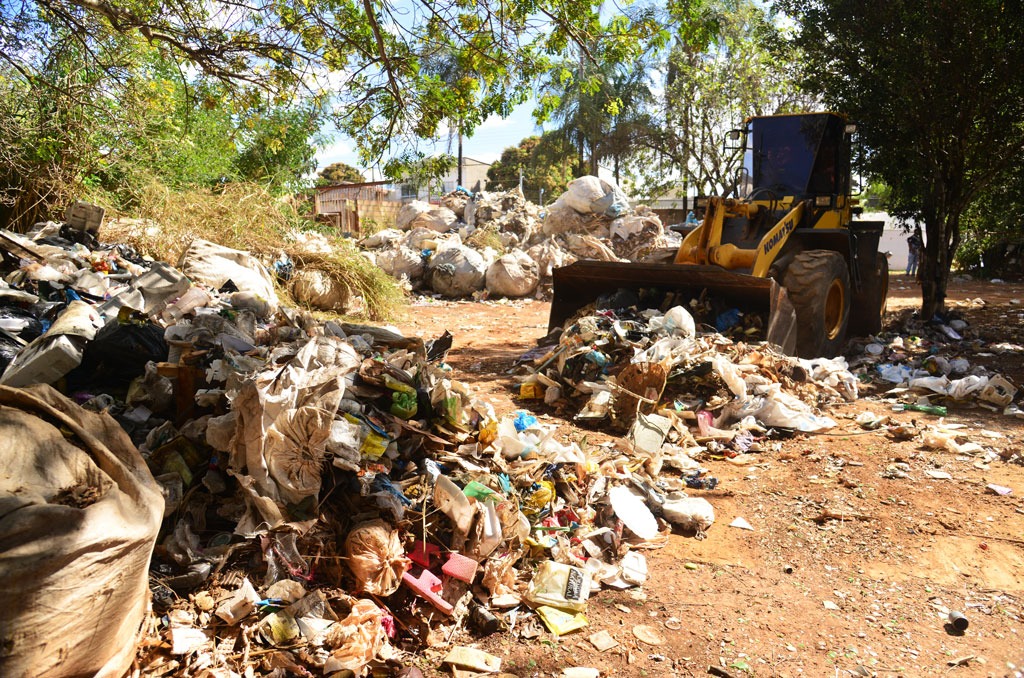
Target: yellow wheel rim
835,302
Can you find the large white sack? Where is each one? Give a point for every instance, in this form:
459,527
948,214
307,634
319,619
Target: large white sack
382,238
456,271
79,515
439,219
590,195
214,265
581,192
513,275
317,289
401,261
409,212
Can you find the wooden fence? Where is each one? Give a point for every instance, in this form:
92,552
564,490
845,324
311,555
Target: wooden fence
349,206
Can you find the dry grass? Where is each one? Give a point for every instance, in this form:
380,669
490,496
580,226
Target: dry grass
247,217
486,237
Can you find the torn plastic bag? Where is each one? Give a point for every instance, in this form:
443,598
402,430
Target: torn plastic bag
376,557
79,515
775,408
356,639
215,265
689,513
267,420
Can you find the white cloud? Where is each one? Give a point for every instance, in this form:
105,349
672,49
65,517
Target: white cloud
495,122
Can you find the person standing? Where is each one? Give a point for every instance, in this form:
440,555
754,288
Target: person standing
915,247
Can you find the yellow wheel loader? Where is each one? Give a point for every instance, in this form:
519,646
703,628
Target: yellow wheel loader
790,248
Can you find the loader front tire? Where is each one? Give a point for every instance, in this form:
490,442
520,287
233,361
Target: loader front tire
818,284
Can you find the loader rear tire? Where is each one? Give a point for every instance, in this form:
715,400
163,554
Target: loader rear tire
818,284
868,311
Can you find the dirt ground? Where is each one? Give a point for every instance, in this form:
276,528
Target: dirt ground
801,594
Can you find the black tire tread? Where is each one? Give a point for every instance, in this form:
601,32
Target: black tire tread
807,280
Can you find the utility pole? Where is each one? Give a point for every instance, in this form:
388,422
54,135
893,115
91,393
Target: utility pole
460,154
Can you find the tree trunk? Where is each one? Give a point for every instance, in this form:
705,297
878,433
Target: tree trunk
943,237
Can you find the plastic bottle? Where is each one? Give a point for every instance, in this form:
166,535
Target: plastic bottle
937,410
194,298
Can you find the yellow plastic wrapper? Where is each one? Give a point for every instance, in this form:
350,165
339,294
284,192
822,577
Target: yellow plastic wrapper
559,622
541,497
559,585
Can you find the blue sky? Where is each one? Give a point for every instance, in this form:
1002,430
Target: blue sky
492,137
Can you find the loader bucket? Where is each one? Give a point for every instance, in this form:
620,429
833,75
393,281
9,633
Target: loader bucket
581,283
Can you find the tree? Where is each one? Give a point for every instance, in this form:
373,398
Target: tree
340,173
546,163
277,146
726,63
367,54
937,90
587,98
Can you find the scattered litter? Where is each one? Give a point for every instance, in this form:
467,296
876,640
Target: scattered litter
602,641
742,524
648,634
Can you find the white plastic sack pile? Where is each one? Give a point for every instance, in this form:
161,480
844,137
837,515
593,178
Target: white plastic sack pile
456,271
401,261
214,265
79,515
513,275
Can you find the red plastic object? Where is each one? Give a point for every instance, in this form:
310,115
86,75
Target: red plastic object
422,553
460,567
427,586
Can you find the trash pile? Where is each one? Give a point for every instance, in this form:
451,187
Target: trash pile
306,496
499,244
934,364
628,366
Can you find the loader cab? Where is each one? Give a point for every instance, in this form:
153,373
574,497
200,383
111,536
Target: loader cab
805,156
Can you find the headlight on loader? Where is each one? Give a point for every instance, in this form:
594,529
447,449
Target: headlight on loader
823,201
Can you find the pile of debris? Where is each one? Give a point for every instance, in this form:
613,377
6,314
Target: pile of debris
734,394
499,244
932,363
304,495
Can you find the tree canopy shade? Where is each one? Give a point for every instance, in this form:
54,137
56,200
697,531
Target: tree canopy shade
368,54
937,90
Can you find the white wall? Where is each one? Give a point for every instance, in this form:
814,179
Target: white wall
894,240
